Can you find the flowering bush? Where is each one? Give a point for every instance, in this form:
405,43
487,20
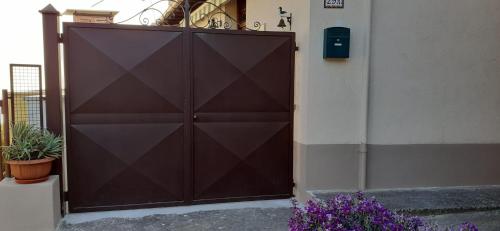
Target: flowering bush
356,213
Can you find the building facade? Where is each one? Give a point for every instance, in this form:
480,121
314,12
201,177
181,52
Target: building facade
91,16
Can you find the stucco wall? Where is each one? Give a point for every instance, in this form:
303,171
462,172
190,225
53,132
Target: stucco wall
435,72
434,117
335,98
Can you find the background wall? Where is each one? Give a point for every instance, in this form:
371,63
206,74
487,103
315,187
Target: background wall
334,104
435,93
335,86
435,72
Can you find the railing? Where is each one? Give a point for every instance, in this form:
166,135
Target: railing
207,11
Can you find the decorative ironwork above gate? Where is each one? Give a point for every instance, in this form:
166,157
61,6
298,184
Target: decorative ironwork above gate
214,18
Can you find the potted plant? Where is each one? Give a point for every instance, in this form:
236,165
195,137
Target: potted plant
31,153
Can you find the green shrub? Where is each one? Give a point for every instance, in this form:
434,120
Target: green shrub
32,143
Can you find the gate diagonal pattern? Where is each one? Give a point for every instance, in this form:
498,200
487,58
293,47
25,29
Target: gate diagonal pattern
251,79
126,107
160,116
134,63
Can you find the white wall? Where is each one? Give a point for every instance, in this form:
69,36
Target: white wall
335,98
435,72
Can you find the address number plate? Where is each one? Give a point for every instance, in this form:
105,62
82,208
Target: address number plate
334,3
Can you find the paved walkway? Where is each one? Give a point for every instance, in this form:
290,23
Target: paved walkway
253,215
234,219
485,220
444,207
433,200
250,219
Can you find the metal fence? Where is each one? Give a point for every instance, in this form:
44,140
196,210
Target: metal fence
25,103
26,94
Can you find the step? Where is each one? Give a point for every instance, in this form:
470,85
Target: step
430,200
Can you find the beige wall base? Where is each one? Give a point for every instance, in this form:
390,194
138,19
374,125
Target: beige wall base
336,166
323,167
29,207
432,165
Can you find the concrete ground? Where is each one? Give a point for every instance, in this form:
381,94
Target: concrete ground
485,220
253,215
432,200
251,219
444,207
234,219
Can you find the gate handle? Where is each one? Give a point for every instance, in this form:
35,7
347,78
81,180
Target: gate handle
195,117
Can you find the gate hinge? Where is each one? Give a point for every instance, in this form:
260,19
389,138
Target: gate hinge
296,48
60,38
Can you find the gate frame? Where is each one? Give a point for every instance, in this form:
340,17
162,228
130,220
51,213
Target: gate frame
54,116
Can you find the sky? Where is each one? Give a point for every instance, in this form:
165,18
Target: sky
21,40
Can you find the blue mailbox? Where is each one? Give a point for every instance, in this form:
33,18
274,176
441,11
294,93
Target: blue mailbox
336,42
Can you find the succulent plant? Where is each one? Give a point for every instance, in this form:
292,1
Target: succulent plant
32,143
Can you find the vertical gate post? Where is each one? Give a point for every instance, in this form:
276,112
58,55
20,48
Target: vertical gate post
187,14
6,124
50,20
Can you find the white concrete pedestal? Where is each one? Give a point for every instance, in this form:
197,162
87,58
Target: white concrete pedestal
29,207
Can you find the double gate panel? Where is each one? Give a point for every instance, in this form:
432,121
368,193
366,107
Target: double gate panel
126,100
242,101
159,116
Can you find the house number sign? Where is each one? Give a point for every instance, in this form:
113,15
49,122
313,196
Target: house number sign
334,3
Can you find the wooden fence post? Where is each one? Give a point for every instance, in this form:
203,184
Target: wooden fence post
6,124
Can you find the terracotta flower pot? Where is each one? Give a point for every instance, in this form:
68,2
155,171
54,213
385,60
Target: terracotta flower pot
30,171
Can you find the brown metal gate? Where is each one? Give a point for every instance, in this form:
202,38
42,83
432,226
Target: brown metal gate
162,116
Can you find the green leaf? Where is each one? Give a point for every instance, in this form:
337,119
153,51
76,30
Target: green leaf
30,143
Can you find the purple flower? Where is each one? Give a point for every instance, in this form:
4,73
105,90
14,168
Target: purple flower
467,227
346,212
